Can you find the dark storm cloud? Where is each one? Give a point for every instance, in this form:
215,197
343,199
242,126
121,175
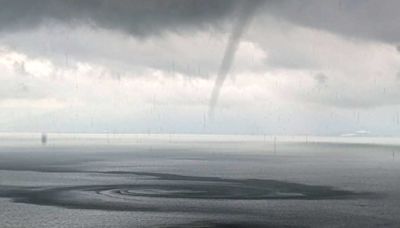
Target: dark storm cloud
138,17
368,19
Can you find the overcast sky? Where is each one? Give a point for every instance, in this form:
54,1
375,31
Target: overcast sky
127,66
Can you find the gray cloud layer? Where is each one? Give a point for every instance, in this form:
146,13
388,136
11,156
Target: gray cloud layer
368,19
137,17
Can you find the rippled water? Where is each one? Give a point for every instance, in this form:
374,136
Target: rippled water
198,181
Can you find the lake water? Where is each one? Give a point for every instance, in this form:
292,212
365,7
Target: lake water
198,181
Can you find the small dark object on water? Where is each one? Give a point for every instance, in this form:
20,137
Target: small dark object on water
44,139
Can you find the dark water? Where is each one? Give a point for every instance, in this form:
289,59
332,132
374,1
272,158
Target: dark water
164,181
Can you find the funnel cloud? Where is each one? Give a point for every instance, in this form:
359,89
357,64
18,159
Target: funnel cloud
247,12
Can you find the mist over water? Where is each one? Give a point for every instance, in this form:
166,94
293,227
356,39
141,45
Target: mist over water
198,181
